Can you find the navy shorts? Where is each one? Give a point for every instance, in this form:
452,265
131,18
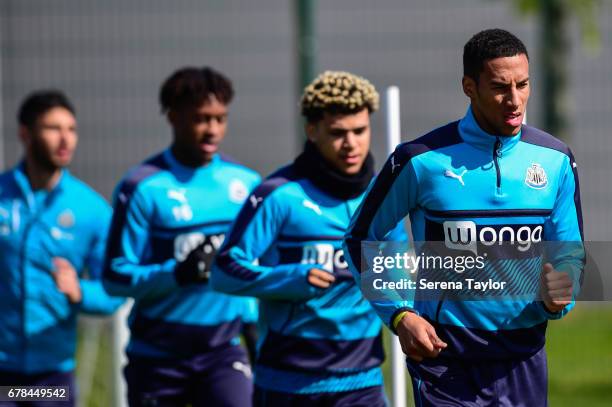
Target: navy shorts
219,378
366,397
512,383
54,378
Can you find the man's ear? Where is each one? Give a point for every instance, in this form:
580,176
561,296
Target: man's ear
171,117
469,86
311,131
25,135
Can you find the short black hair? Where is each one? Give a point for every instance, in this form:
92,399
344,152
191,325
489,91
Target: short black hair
39,102
489,44
192,86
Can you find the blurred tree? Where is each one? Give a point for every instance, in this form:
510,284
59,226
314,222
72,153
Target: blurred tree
554,45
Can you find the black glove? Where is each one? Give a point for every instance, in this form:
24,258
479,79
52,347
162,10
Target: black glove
195,269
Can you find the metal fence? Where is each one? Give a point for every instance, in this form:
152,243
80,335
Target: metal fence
110,57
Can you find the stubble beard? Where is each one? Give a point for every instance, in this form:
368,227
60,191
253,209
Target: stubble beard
43,158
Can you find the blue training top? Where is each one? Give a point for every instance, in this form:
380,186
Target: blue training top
163,210
38,324
313,340
460,177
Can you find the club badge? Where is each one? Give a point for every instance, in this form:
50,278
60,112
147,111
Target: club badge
536,177
238,192
66,219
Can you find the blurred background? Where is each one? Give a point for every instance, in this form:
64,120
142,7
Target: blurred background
111,57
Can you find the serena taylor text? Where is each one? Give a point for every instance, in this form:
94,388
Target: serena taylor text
423,283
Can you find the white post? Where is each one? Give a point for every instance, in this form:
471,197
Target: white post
88,355
121,337
398,361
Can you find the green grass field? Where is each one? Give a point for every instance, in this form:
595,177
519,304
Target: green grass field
579,358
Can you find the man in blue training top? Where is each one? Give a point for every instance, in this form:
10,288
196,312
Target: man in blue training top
52,234
468,184
321,342
171,216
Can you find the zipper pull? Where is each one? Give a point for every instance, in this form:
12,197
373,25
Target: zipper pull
497,149
497,153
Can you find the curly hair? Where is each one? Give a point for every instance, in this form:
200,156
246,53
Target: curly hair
337,92
489,44
193,86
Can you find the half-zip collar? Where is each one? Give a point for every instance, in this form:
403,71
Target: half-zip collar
185,171
21,178
471,133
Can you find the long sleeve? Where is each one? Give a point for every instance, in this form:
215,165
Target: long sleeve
563,231
95,299
125,273
387,202
256,228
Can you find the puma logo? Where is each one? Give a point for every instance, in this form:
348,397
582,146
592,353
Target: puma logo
313,206
393,164
255,200
183,211
450,174
177,195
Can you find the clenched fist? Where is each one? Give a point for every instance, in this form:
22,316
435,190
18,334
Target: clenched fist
67,280
195,269
556,288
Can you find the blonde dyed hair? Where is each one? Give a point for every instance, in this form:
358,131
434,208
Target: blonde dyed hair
338,92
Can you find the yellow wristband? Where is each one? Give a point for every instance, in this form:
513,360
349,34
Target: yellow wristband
398,318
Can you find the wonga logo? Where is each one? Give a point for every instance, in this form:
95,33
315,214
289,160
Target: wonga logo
463,235
325,255
460,235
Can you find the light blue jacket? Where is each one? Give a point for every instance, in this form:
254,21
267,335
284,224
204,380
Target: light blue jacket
38,324
313,340
461,178
163,210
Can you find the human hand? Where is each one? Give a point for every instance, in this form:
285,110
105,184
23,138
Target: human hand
320,278
555,288
195,269
418,337
67,279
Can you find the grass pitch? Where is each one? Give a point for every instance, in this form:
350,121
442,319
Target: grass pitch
579,351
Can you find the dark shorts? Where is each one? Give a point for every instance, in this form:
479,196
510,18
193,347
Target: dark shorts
512,383
220,378
367,397
39,379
